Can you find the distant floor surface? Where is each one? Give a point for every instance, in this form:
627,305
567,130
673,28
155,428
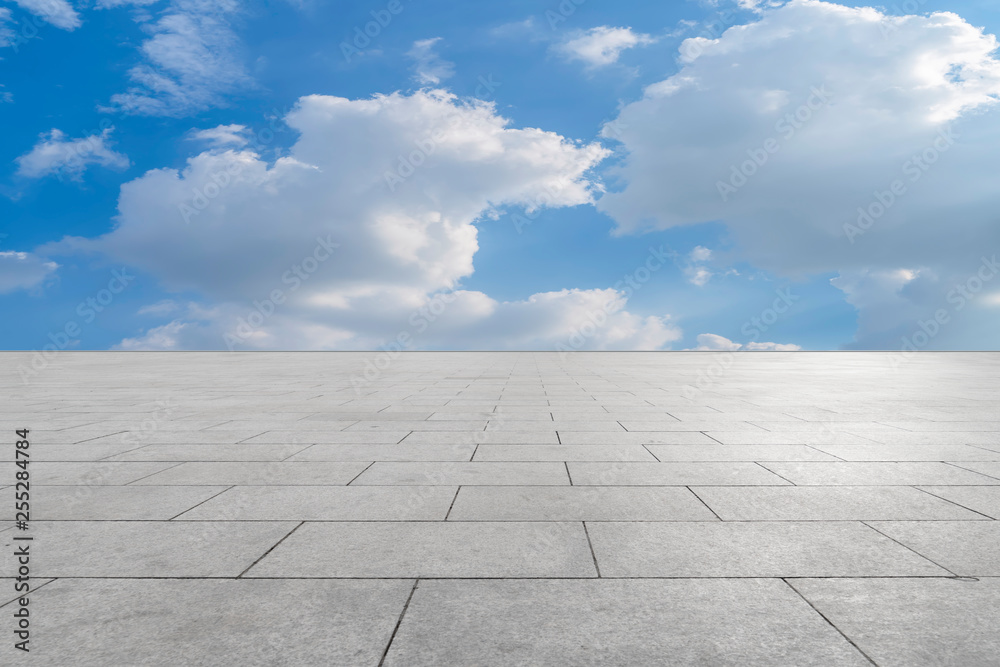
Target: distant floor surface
485,508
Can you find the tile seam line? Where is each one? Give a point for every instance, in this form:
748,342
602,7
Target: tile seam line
927,558
273,547
593,554
399,622
215,495
829,622
702,500
180,463
920,488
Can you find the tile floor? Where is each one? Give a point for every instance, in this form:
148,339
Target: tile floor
530,508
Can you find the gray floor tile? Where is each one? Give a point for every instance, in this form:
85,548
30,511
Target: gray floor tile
164,622
876,473
326,503
909,452
786,438
662,438
497,437
253,473
829,503
329,437
615,622
967,548
149,548
759,549
990,468
90,474
578,503
456,474
69,452
913,622
210,453
985,499
670,473
563,453
107,503
400,452
738,453
431,549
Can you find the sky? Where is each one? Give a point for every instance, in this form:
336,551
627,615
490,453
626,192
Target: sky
547,175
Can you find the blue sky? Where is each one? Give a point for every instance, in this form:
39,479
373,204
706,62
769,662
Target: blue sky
185,174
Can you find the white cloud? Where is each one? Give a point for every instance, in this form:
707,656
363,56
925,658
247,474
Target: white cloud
429,67
402,243
715,342
192,61
69,158
160,308
883,90
111,4
600,46
57,12
222,135
23,270
700,254
6,36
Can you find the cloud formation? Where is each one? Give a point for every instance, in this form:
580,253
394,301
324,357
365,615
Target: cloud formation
600,46
191,61
829,139
363,231
55,154
23,270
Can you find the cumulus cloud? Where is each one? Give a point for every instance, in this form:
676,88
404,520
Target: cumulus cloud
55,154
222,135
600,46
23,270
717,343
110,4
6,37
814,123
57,12
429,67
192,61
318,251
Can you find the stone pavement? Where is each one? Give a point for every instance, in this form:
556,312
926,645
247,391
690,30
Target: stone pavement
506,508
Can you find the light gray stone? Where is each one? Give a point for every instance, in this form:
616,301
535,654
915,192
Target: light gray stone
578,503
758,549
168,622
456,474
615,622
326,503
913,622
829,503
149,548
966,548
257,473
431,549
670,474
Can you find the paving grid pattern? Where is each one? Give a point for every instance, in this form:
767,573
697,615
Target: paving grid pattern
509,508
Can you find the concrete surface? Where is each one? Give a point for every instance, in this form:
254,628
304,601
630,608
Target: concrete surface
506,508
